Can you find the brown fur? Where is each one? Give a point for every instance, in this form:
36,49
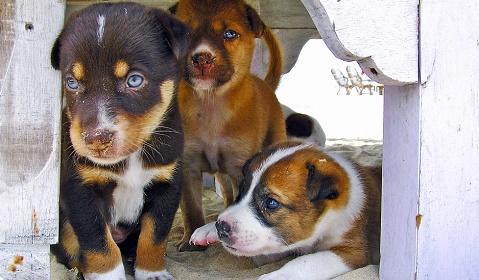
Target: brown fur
234,118
306,185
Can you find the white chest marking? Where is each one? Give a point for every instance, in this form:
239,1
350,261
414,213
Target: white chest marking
128,195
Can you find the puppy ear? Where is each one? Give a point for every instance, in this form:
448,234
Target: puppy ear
320,186
55,54
299,125
176,32
257,25
173,9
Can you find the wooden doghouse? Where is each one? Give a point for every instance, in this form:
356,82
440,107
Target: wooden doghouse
426,53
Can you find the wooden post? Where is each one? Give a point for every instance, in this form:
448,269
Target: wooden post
30,110
430,214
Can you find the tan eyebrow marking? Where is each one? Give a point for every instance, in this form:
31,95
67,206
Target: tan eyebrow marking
121,68
78,70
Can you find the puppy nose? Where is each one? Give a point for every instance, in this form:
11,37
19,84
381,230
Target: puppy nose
223,229
203,59
98,139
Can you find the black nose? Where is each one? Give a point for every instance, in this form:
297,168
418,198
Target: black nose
203,60
223,229
98,139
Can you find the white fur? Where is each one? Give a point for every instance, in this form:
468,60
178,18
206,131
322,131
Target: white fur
101,28
117,273
261,239
128,195
141,274
252,238
320,265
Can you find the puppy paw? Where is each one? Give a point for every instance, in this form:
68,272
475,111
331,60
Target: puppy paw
205,235
152,275
185,246
117,273
275,275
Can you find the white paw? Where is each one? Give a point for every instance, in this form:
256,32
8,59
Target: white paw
152,275
275,275
205,235
117,273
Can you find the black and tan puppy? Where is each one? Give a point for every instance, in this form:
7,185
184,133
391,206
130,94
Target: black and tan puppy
122,142
228,113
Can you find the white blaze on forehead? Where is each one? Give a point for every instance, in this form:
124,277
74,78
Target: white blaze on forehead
101,27
272,159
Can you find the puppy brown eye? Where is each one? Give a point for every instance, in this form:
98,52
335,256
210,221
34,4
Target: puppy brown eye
134,81
72,83
230,34
271,204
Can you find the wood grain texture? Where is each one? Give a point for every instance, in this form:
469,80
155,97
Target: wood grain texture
400,182
29,124
24,262
381,35
449,150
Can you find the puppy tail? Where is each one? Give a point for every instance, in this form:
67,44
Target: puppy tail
275,58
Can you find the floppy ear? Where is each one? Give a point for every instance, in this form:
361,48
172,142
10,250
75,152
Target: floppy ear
176,32
173,9
55,54
257,25
320,186
299,125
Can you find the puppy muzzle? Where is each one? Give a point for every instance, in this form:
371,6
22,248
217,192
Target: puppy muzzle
223,229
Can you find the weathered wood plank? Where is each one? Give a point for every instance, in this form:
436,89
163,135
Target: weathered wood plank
400,182
25,262
449,193
285,15
381,35
30,106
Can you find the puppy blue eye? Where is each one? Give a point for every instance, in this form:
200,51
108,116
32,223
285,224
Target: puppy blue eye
72,83
230,34
134,81
271,204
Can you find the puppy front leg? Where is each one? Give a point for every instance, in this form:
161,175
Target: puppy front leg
191,208
150,254
86,239
320,265
156,224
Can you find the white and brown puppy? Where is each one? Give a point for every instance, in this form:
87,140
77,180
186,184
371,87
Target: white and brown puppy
300,199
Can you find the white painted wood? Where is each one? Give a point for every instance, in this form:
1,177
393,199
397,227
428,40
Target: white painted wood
400,182
381,35
430,212
30,128
449,146
25,262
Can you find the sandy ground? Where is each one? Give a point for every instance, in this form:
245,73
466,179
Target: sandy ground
215,262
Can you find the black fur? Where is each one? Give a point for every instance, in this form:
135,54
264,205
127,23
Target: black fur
152,41
299,125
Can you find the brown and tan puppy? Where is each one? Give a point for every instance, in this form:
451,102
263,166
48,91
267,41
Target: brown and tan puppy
122,138
296,198
228,114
